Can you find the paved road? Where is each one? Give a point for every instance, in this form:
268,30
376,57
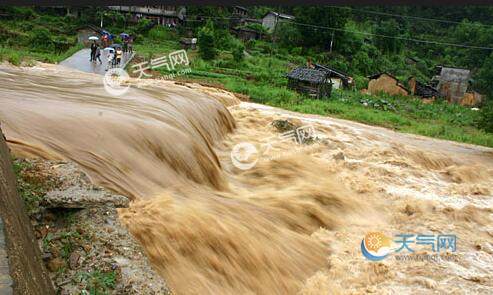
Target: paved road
80,61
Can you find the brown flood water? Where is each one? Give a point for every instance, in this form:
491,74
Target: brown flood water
286,226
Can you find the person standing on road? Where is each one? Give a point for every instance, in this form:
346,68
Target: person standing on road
130,44
110,58
93,51
125,45
98,54
119,54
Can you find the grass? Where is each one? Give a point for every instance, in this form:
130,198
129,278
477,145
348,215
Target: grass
31,185
20,56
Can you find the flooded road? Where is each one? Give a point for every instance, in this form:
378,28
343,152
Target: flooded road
80,61
291,224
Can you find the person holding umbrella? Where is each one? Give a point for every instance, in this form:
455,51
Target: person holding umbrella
93,50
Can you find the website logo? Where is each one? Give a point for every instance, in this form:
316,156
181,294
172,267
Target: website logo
375,246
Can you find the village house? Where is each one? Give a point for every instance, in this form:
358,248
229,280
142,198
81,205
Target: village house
246,34
240,11
169,15
271,19
385,82
313,82
339,79
452,83
241,18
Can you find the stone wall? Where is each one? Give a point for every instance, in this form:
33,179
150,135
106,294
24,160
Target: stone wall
5,279
23,272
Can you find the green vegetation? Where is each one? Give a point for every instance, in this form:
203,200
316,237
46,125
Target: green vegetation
257,68
261,76
98,282
207,46
29,36
31,185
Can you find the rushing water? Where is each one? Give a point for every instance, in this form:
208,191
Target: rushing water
207,227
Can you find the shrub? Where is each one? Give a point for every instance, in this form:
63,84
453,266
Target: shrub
41,39
485,120
238,51
159,33
206,42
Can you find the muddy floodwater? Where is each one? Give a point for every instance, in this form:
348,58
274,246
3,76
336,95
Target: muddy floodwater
291,224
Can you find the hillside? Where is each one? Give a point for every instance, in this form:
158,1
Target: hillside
257,68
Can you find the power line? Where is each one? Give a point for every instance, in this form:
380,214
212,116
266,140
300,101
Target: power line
391,37
410,16
367,34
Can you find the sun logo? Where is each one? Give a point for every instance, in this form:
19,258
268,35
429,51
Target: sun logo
375,246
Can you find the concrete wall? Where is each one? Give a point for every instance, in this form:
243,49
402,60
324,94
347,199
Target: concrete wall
25,266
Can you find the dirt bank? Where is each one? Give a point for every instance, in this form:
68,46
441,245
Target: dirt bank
85,249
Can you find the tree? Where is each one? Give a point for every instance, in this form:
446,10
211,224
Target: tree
322,16
41,39
206,42
288,35
389,28
485,76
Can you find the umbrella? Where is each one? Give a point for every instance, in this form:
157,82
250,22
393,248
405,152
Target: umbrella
109,49
124,35
93,38
115,45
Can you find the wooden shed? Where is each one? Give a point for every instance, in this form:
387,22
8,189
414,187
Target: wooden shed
422,90
313,82
385,82
188,43
339,79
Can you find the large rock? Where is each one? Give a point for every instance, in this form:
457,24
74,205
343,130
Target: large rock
78,197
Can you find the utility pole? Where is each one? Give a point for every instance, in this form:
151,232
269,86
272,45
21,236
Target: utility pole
331,41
